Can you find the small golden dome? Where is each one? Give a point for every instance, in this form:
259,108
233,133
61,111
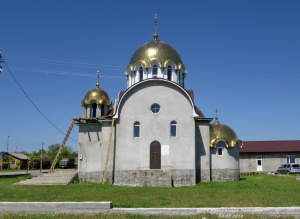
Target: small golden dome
97,95
221,132
155,50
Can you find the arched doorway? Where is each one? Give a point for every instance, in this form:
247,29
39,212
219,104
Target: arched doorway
155,155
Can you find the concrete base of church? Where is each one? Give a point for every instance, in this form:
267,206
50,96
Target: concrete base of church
95,176
160,178
155,178
204,175
223,175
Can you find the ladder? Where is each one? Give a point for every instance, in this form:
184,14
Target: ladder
62,146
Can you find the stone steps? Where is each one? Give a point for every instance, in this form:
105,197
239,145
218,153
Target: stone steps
58,177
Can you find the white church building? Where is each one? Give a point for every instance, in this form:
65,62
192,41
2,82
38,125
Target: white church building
153,135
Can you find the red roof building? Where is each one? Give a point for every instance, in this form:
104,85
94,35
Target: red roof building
267,156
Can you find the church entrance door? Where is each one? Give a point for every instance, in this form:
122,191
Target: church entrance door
155,155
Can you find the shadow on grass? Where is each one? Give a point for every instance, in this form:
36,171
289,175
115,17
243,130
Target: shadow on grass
15,175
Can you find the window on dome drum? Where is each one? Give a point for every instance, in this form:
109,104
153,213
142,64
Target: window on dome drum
94,110
173,129
136,129
220,147
169,73
155,108
154,71
290,158
102,109
141,73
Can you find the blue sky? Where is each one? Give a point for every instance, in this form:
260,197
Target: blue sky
241,56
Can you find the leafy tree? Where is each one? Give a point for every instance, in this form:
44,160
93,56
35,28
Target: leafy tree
6,161
67,152
35,162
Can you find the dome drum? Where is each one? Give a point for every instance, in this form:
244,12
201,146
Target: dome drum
96,103
155,59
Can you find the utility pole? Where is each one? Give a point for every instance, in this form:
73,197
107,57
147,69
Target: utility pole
7,143
41,163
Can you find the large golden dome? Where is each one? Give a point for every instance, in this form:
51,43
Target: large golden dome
221,132
97,95
155,50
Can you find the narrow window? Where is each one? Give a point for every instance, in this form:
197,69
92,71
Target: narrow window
136,129
154,71
220,148
102,109
169,73
132,78
141,73
173,129
94,110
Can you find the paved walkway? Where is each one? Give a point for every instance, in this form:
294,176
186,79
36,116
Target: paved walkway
23,172
58,177
107,207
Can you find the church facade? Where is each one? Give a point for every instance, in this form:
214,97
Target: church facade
153,135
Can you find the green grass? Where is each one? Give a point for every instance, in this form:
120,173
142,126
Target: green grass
10,170
259,191
133,216
126,216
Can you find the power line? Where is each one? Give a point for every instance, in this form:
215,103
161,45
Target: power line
67,62
33,102
67,73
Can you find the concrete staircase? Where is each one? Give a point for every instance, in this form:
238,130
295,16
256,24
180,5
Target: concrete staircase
58,177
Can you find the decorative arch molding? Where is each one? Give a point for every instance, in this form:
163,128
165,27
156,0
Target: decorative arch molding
120,101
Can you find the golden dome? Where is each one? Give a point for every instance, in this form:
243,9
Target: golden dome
155,50
221,132
97,95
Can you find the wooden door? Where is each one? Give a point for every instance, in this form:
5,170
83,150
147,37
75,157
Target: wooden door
155,155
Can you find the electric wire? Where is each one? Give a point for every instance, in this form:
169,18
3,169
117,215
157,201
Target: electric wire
34,103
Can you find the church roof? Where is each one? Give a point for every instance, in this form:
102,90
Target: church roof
222,132
155,50
97,94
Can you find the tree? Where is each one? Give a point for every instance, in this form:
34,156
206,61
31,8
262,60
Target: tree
66,152
6,161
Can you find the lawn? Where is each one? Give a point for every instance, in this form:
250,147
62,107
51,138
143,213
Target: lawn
262,190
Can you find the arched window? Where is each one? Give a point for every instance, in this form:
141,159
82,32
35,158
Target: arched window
136,129
169,73
102,109
220,147
154,71
94,110
173,130
132,78
141,73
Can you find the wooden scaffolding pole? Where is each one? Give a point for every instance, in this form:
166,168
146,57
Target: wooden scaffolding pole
109,143
62,146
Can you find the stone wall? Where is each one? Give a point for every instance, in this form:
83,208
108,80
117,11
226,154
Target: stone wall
223,175
155,178
95,176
